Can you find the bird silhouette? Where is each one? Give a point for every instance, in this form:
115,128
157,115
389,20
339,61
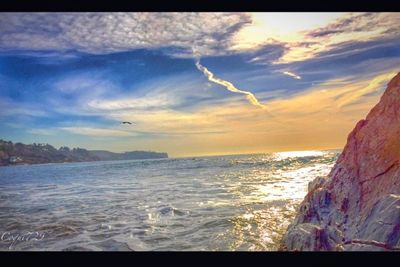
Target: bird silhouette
126,122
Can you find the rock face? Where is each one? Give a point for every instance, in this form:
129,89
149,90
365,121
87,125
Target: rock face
357,207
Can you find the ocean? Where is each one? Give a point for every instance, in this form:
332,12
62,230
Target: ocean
218,203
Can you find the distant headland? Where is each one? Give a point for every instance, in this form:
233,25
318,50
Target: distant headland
18,153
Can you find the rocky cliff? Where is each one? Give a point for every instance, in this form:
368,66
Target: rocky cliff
357,206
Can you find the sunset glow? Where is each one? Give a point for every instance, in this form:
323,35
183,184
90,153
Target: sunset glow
267,82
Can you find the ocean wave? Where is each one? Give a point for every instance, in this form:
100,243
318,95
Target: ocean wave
239,202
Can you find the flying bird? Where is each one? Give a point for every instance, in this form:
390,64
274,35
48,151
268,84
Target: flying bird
126,122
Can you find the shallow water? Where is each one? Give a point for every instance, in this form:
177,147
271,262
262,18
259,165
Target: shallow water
240,202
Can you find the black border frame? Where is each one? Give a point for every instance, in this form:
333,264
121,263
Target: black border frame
199,258
200,5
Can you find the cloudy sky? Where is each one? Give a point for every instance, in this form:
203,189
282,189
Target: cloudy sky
193,83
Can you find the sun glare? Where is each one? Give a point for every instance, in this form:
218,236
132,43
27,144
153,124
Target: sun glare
298,154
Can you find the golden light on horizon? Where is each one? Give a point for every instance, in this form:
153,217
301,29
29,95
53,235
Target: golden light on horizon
317,119
296,108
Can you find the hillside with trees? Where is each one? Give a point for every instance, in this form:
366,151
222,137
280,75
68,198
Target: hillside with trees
18,153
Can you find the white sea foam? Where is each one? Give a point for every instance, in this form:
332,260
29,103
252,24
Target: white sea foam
241,202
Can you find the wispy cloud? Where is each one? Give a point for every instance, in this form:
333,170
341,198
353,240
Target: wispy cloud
350,28
314,119
84,83
291,74
212,33
10,108
378,82
156,94
85,96
133,103
103,132
42,131
305,36
228,85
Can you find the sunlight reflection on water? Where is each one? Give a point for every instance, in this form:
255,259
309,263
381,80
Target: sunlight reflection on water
241,202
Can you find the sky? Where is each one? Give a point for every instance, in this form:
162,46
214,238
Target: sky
193,83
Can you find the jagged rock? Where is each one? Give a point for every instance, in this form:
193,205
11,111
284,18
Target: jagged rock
316,183
310,237
357,207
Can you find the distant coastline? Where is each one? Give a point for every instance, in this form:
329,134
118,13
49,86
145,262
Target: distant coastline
18,153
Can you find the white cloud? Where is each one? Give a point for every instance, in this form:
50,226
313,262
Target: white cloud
11,108
377,83
302,35
111,32
157,94
104,132
133,103
88,83
307,35
291,74
42,131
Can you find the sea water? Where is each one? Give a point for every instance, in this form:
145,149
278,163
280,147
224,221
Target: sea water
237,202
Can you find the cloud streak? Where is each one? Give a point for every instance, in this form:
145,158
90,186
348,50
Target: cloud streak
101,132
291,74
378,82
228,85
